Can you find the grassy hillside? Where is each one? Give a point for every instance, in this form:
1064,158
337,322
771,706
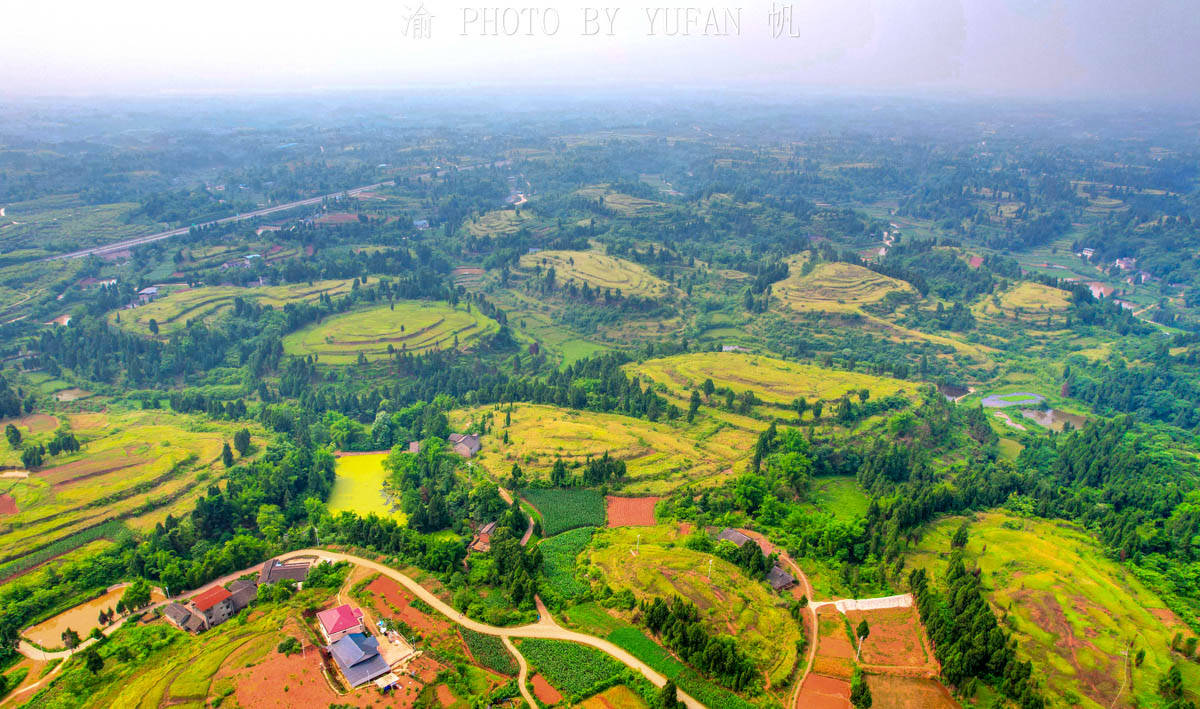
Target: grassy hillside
835,287
410,326
1074,611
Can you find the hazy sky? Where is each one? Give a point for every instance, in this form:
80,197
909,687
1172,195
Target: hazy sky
1078,48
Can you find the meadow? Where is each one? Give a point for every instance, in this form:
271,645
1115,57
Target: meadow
1074,611
729,602
774,381
660,456
598,271
173,311
410,326
835,287
563,509
358,486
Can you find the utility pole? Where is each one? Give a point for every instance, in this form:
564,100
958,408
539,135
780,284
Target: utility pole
710,561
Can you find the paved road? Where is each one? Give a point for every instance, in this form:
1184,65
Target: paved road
138,241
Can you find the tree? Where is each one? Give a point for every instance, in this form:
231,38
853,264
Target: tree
959,540
92,660
227,455
863,631
137,594
70,639
817,407
668,696
860,693
153,324
13,434
241,441
693,406
32,457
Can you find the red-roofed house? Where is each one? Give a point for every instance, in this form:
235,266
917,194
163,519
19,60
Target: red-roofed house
337,623
214,605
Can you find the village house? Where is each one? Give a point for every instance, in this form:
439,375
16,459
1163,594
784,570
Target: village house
734,536
242,593
337,623
215,606
275,570
184,619
482,541
147,294
465,444
357,656
779,579
1125,264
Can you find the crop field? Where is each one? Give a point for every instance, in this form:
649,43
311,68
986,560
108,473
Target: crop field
173,311
563,509
835,287
411,326
1073,611
559,555
621,203
618,697
577,671
134,467
1031,301
773,380
500,222
64,222
598,271
660,456
728,601
489,651
358,486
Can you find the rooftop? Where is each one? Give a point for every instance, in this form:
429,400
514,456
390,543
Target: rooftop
732,535
778,578
342,618
358,658
210,598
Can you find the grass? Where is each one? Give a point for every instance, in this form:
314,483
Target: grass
598,271
65,222
358,486
660,456
773,380
618,697
173,311
1073,610
564,509
559,554
489,651
835,287
729,602
577,671
409,326
840,496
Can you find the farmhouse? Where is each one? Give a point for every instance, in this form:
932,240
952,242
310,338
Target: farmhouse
241,593
732,535
215,606
147,294
465,444
483,538
337,623
357,656
275,570
183,618
780,579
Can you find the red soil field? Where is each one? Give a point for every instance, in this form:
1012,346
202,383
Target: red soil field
392,599
33,423
444,695
8,505
337,218
908,693
631,511
280,681
87,468
821,692
543,691
897,638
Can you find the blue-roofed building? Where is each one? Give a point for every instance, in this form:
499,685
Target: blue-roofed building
357,656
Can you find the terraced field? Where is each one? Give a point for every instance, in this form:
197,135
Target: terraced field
599,271
621,203
500,222
660,456
835,287
135,468
173,311
411,326
772,380
729,602
1074,612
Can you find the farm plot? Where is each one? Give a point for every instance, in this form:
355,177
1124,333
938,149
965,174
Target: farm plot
894,692
173,311
652,562
621,203
835,287
772,380
897,638
598,271
358,487
823,692
577,671
1074,612
660,456
500,222
489,651
560,554
409,326
631,511
563,509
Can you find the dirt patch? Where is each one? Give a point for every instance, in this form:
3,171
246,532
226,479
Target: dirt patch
1167,616
72,394
543,691
444,695
897,637
631,511
821,692
8,504
87,468
393,600
34,423
337,218
908,693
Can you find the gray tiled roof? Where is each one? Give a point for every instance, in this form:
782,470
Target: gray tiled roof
358,657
